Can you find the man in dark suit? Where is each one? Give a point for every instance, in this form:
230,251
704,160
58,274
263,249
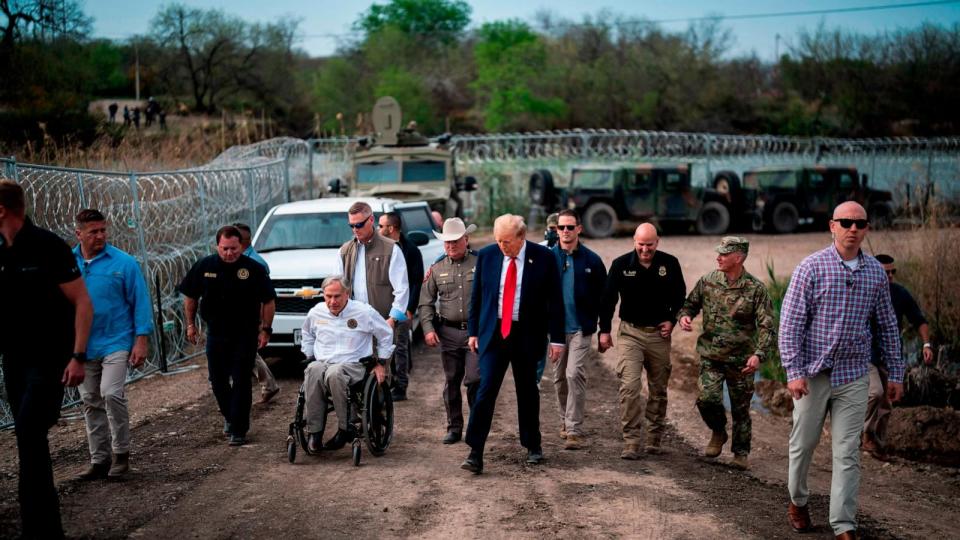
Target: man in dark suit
516,300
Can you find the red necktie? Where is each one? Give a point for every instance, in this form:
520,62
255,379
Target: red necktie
509,290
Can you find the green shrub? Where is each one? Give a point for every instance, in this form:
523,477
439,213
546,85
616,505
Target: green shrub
777,288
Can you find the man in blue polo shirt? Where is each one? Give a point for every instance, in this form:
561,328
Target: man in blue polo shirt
120,335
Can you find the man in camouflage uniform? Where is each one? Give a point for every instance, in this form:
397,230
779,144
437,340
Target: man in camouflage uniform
444,308
737,333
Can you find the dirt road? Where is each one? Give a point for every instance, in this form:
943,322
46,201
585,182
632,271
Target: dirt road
187,482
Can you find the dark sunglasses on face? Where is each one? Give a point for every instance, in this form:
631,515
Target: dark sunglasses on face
358,225
891,272
847,223
566,227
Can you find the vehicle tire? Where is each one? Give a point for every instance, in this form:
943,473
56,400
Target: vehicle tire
600,220
881,216
714,218
542,190
291,449
784,218
357,452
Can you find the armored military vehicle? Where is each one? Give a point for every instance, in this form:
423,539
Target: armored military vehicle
788,197
400,163
605,195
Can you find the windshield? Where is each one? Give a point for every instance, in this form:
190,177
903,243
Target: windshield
592,179
304,231
771,179
424,171
376,172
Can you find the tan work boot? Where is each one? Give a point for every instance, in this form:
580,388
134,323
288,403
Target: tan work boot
740,461
120,467
715,446
563,433
574,442
653,447
631,451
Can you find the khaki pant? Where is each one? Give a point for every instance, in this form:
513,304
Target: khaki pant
105,406
264,376
323,382
847,406
643,349
878,406
570,379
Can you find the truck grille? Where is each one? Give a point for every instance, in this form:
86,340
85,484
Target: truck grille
297,295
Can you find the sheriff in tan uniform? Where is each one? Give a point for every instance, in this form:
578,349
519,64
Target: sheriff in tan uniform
444,307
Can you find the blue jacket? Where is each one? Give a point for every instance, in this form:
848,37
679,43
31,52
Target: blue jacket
589,279
121,303
541,304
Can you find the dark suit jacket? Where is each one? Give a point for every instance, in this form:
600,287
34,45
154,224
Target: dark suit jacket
589,279
541,301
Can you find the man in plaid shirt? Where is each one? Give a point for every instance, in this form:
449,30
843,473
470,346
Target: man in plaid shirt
825,346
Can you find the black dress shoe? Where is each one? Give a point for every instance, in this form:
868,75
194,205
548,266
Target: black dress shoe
473,463
340,439
535,456
452,437
314,442
398,395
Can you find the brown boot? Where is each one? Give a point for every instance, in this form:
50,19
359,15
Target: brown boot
120,467
740,461
574,442
653,447
715,446
631,451
847,535
799,518
95,471
563,433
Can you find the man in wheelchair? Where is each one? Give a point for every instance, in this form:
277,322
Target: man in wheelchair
337,334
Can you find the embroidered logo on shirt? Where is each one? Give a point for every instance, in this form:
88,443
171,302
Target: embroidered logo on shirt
352,323
209,274
662,271
243,273
629,273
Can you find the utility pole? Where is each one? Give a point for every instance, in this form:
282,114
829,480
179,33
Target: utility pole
136,52
776,48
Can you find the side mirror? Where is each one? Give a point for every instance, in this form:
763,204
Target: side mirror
418,238
335,186
469,184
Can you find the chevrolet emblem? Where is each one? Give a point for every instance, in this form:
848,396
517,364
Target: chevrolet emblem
307,293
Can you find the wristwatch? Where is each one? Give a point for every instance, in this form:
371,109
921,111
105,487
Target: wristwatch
79,357
927,345
267,329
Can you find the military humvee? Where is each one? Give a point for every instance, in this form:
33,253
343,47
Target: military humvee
605,195
403,164
789,197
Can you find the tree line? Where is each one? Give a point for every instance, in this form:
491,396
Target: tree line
604,71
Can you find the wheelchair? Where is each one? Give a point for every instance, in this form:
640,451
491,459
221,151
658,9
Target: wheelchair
370,399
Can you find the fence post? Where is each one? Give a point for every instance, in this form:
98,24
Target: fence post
253,199
83,198
13,165
286,178
310,168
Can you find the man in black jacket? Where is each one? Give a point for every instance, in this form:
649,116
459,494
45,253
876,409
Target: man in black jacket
390,227
582,280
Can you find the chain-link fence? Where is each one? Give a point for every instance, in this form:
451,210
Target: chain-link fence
167,219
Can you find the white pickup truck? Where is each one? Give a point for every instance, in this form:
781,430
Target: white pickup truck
301,240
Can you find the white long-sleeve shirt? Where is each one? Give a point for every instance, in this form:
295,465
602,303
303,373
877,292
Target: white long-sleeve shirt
346,337
503,280
397,273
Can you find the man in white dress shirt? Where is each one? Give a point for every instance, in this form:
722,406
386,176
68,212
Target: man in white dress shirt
336,335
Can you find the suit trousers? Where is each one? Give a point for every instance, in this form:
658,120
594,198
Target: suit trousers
570,380
35,394
460,366
494,359
105,406
230,361
847,405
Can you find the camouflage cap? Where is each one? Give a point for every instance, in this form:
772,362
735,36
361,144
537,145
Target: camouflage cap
553,219
729,244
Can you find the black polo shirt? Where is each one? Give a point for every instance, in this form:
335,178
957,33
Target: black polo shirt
648,296
36,318
230,294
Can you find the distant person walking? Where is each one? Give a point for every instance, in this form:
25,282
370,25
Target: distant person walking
136,117
126,115
122,323
112,109
44,324
825,349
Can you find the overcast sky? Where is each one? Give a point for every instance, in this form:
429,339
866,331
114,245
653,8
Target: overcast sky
325,23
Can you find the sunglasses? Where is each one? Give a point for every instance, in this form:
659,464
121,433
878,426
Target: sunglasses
891,272
847,223
566,227
358,225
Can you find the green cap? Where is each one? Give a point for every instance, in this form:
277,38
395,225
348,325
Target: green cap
729,244
553,219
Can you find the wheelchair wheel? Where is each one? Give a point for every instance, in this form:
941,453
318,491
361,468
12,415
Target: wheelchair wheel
377,416
297,434
291,449
357,450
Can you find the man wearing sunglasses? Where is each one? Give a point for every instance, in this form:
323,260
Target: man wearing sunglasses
825,348
878,406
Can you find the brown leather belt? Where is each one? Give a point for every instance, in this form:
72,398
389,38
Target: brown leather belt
451,324
643,328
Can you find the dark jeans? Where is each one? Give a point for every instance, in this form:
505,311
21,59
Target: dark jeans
401,356
229,364
493,367
35,394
